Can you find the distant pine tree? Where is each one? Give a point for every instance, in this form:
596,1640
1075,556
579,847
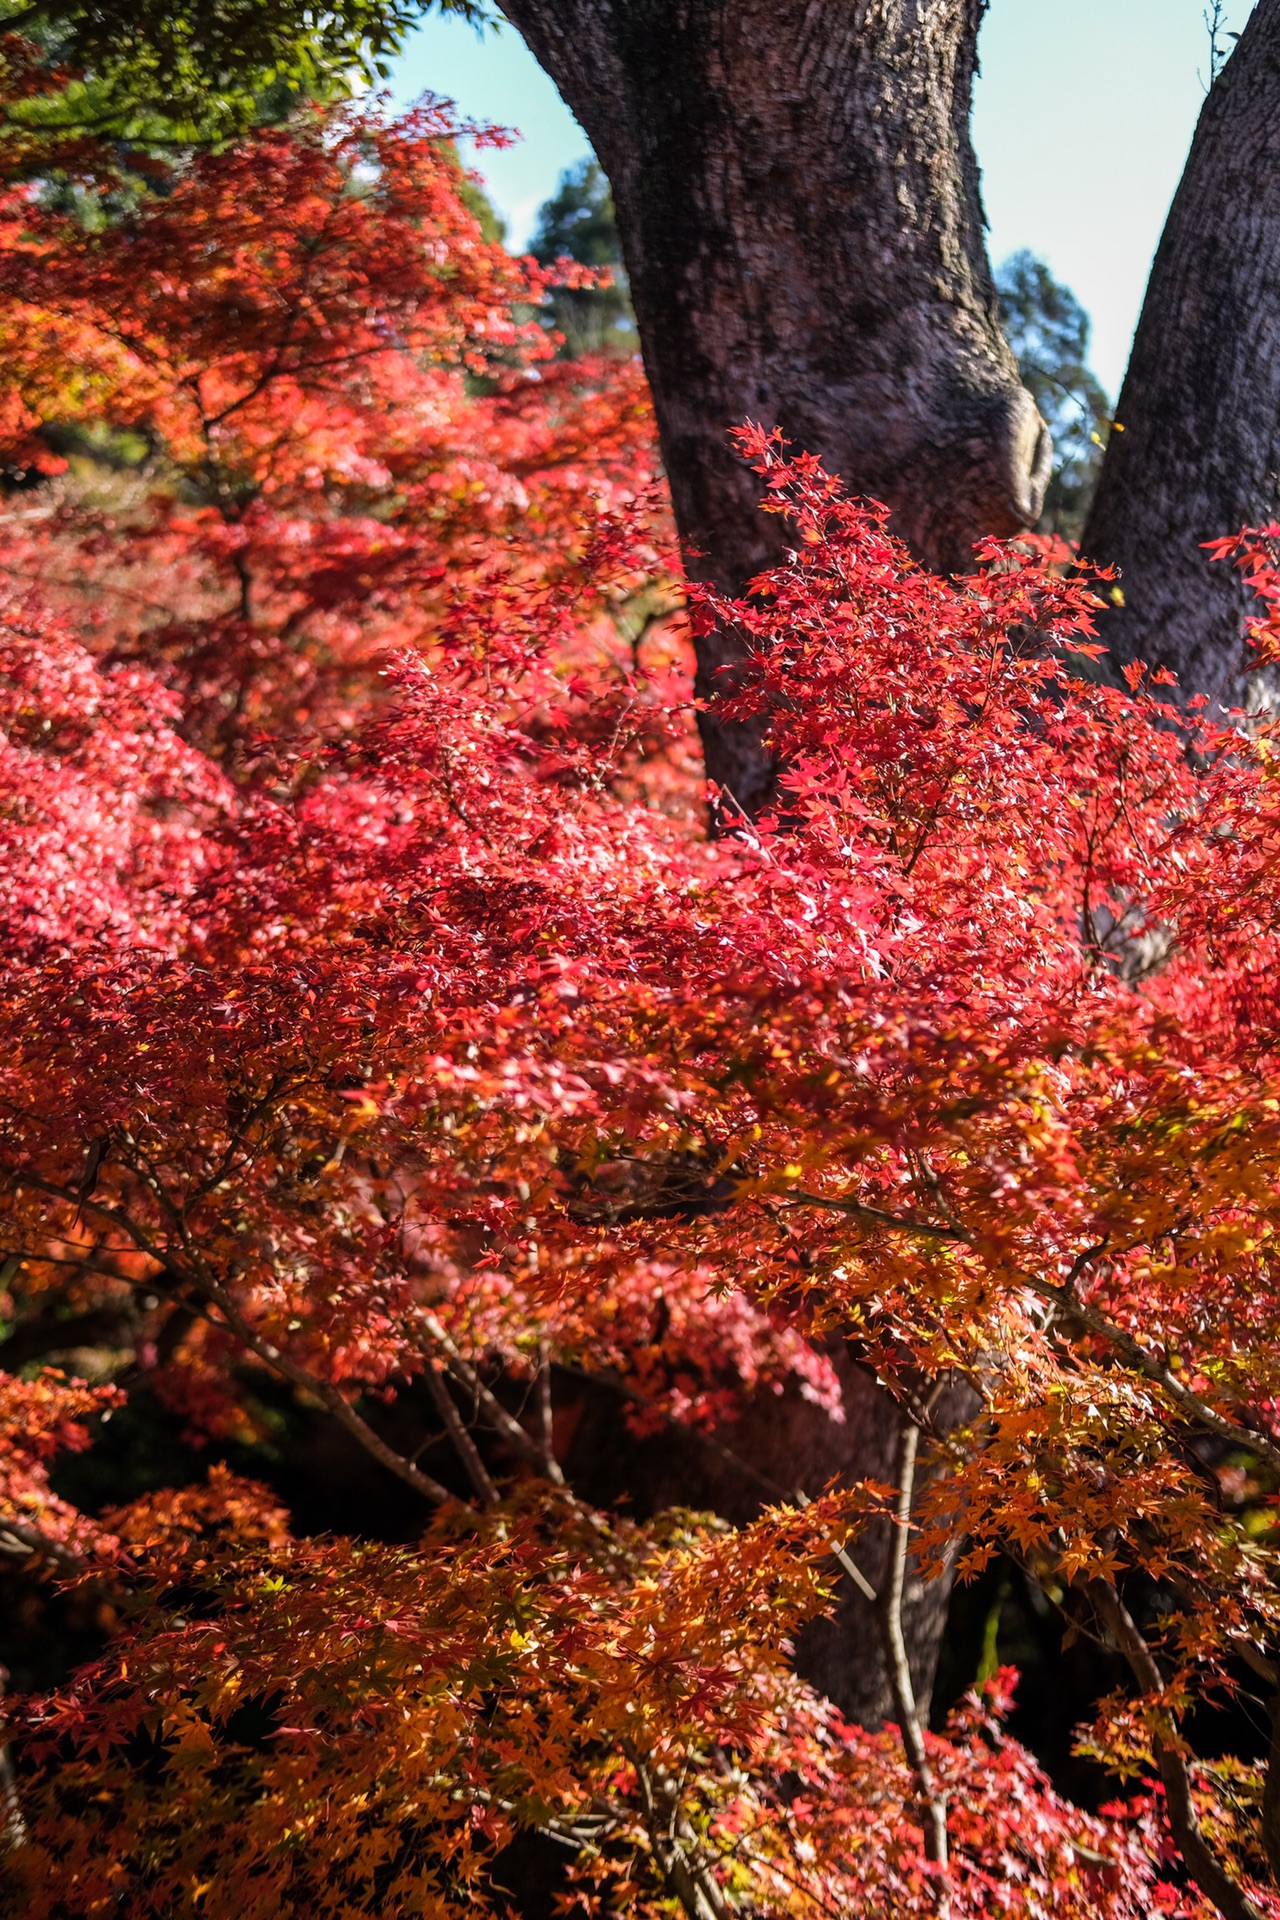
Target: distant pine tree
578,221
1049,331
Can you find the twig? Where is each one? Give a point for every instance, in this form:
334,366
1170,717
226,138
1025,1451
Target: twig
1201,1862
196,1278
1215,20
506,1423
842,1554
1248,1439
341,1408
468,1452
546,1408
27,1542
904,1693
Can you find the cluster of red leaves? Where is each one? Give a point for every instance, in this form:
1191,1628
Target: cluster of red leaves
41,1418
106,809
353,414
435,1045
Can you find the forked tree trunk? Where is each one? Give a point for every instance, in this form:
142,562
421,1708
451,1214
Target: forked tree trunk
799,210
1199,456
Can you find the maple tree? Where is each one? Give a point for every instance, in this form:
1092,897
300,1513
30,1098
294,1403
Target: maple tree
278,327
381,1031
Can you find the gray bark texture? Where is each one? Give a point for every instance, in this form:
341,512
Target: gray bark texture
799,209
1200,406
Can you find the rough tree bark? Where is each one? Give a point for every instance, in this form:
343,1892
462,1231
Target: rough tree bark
799,210
1200,452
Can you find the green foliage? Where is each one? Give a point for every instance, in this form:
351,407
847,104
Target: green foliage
1048,330
159,74
493,228
578,223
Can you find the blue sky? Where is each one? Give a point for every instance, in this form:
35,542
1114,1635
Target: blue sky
1084,113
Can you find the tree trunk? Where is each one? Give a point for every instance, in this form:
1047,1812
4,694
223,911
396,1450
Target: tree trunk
1200,405
799,210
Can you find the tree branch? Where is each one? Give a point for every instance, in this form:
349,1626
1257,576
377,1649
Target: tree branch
13,1828
1202,1864
876,1216
196,1278
338,1405
506,1423
1248,1439
468,1452
28,1543
904,1693
49,1333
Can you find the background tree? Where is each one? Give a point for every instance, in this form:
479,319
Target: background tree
156,73
578,223
234,421
1048,330
1200,404
867,331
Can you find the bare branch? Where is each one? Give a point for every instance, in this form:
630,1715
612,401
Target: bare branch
676,1849
341,1408
904,1693
23,1541
468,1452
1201,1862
876,1216
506,1423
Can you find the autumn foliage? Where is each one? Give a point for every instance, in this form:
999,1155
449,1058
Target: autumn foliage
383,1042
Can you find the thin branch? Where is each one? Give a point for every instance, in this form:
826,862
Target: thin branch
846,1560
1201,1862
546,1407
904,1693
341,1408
456,1427
676,1850
1247,1438
875,1216
506,1423
197,1278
